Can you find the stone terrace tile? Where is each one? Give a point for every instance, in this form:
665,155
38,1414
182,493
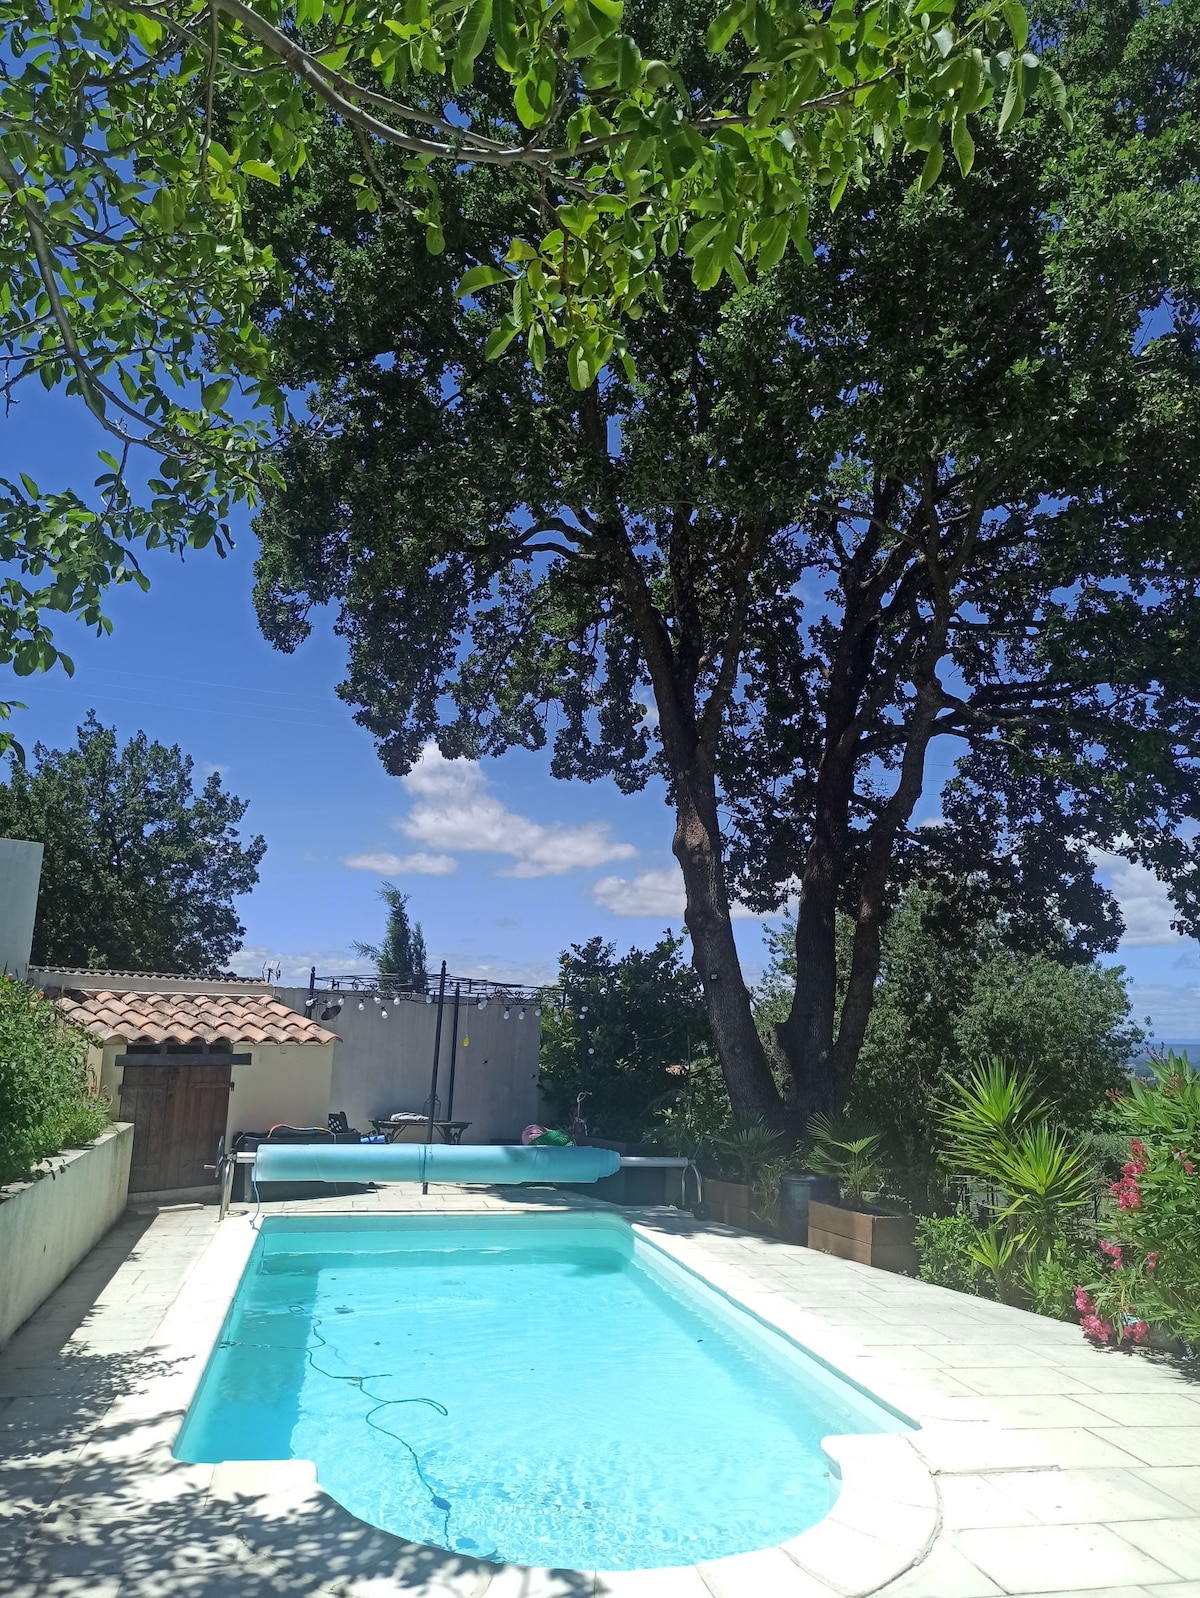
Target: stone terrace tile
1077,1472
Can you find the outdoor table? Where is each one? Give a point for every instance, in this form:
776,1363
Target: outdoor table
451,1131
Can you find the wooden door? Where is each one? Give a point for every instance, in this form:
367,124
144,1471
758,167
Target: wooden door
178,1114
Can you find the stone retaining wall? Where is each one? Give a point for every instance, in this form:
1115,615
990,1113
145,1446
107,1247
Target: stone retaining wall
47,1225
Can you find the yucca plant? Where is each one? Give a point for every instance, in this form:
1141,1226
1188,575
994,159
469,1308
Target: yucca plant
994,1249
849,1152
988,1109
1046,1177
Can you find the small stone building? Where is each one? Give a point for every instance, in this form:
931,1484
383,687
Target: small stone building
190,1061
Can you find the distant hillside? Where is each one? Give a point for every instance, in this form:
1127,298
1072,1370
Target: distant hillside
1190,1047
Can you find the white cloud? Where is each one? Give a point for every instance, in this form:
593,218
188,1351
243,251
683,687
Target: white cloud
210,768
652,893
1144,900
455,811
399,865
1174,1011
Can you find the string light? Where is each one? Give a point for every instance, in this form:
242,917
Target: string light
520,1015
383,1015
483,1004
583,1009
506,1015
429,998
361,1005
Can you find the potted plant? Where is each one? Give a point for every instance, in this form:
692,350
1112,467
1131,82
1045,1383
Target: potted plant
752,1153
857,1227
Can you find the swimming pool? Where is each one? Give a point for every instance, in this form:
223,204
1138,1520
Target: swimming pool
534,1389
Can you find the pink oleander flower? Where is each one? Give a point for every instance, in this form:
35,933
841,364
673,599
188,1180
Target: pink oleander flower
1185,1162
1129,1194
1113,1250
1133,1168
1084,1302
1138,1331
1151,1260
1096,1328
1136,1146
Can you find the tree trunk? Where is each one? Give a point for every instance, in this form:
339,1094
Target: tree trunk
753,1093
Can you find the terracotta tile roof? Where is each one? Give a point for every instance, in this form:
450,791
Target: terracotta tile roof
188,1017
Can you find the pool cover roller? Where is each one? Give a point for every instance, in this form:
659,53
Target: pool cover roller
431,1162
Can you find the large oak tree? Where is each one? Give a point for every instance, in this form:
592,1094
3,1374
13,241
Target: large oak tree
940,482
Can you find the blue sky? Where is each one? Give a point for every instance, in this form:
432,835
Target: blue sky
505,865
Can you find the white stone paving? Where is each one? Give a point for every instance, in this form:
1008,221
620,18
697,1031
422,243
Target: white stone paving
1050,1467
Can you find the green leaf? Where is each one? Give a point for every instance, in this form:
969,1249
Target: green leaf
1057,90
213,395
963,145
260,169
472,36
480,277
578,369
1018,22
533,94
505,41
722,28
500,338
518,250
932,168
1014,101
944,39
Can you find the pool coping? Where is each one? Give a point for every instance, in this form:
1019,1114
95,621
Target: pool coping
883,1523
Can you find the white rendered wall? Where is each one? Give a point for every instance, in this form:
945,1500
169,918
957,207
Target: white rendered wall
381,1065
48,1225
20,872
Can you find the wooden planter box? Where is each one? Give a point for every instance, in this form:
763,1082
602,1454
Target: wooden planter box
885,1241
729,1202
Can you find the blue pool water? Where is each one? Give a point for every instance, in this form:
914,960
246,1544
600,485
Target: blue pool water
545,1390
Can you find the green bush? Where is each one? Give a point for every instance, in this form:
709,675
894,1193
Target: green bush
46,1101
944,1245
1152,1247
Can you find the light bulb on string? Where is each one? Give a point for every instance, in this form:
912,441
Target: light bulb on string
506,1015
383,1015
583,1009
361,1005
429,998
483,1004
591,1051
520,1015
376,998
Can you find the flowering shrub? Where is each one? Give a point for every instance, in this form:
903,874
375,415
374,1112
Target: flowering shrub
1151,1256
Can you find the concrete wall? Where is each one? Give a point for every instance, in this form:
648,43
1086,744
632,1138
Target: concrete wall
381,1065
20,873
283,1082
48,1225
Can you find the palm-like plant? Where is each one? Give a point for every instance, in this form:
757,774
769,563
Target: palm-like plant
994,1250
987,1110
750,1146
1046,1177
850,1153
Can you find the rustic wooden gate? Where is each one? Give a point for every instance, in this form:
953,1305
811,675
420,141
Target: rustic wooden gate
178,1114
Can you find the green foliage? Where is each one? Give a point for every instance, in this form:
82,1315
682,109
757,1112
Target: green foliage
1152,1226
851,1154
140,869
752,1150
627,1035
954,991
888,496
944,1245
46,1100
133,135
996,1130
400,959
994,1250
698,1113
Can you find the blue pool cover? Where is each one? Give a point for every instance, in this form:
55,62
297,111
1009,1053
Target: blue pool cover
430,1162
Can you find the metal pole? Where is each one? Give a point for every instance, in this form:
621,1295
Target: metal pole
437,1049
453,1055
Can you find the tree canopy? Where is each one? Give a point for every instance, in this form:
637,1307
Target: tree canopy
937,482
958,986
134,132
140,870
627,1021
400,960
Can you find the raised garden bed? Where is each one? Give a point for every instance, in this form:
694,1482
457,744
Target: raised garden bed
885,1241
